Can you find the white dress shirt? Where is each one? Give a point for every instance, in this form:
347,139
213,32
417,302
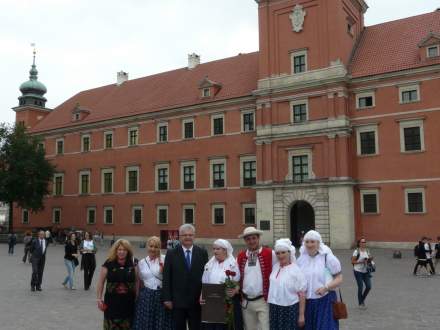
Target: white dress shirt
149,272
215,271
42,243
88,245
316,273
190,254
285,285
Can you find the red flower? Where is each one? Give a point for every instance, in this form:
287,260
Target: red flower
230,273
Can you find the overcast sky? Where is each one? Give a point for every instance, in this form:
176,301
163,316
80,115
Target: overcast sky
81,44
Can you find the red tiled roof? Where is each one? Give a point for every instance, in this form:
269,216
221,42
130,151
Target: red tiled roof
393,46
238,76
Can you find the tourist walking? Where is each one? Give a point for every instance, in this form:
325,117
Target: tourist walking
88,260
360,259
222,263
420,254
255,264
437,251
38,250
70,260
429,255
287,290
322,271
182,280
150,312
12,241
27,240
118,273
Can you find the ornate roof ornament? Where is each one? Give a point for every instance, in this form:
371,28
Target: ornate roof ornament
297,17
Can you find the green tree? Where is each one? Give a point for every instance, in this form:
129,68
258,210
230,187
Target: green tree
25,173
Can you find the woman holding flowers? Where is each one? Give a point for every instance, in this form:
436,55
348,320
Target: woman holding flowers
287,290
223,268
150,313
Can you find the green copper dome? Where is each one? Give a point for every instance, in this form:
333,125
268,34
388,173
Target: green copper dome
33,86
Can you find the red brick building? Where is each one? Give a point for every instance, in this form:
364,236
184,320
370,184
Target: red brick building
330,125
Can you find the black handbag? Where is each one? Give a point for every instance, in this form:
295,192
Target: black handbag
75,261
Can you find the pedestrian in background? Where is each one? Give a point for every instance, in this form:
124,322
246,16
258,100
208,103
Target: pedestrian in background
70,260
12,241
437,251
88,250
429,255
361,257
420,254
38,259
27,240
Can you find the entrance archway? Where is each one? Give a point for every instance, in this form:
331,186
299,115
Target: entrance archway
302,219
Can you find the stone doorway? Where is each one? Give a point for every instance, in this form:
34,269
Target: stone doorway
302,219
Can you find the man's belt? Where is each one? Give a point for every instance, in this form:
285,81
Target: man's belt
251,299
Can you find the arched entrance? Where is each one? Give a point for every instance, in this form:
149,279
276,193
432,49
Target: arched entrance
302,219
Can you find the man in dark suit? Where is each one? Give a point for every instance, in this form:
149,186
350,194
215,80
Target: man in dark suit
38,259
182,280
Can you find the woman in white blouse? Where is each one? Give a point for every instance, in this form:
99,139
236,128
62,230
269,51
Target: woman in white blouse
215,273
287,290
150,313
323,275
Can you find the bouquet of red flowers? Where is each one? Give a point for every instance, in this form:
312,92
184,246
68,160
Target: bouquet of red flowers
230,284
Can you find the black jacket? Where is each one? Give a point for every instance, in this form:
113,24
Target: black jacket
35,249
180,285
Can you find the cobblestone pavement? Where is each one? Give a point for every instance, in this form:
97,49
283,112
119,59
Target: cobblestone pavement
398,299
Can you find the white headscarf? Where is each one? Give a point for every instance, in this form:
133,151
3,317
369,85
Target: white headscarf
313,235
284,244
224,244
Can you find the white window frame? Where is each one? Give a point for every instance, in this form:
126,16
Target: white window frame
300,152
133,209
415,190
105,139
54,184
105,213
182,176
432,46
76,117
81,173
246,112
409,88
208,89
159,125
363,95
56,146
215,206
370,192
292,60
103,172
185,121
82,142
211,172
243,213
129,169
189,207
298,102
131,129
407,124
91,208
53,215
162,207
363,129
215,116
156,175
23,211
243,160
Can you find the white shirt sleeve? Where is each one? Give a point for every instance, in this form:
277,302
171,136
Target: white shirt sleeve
274,258
333,264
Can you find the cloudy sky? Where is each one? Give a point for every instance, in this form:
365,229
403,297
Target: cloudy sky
81,44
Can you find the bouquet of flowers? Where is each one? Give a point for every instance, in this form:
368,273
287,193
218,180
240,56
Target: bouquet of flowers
230,284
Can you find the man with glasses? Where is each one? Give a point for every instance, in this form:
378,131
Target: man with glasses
255,264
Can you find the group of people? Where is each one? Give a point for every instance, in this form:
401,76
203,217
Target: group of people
424,254
264,288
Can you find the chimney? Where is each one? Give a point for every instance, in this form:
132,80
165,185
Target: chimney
121,77
193,60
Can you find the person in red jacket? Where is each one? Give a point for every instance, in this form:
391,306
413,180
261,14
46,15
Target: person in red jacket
255,264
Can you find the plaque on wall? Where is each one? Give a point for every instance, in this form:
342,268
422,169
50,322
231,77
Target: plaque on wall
265,224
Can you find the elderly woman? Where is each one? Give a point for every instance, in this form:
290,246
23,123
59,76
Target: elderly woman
150,312
215,273
119,274
287,290
323,275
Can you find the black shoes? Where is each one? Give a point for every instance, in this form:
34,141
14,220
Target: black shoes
32,288
39,288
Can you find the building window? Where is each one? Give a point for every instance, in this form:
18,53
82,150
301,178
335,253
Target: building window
415,200
249,173
162,133
132,178
299,111
412,136
77,116
162,214
136,215
188,128
108,140
300,168
162,177
299,61
217,124
91,215
218,214
56,215
84,182
41,146
85,143
433,51
248,118
367,140
218,173
409,94
108,215
249,214
370,201
365,100
206,92
188,177
60,146
188,214
133,136
107,181
25,217
58,184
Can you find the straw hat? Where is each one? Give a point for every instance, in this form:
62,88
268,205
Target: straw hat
250,231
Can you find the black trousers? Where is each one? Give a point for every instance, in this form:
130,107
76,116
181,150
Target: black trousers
183,315
37,271
27,254
88,263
